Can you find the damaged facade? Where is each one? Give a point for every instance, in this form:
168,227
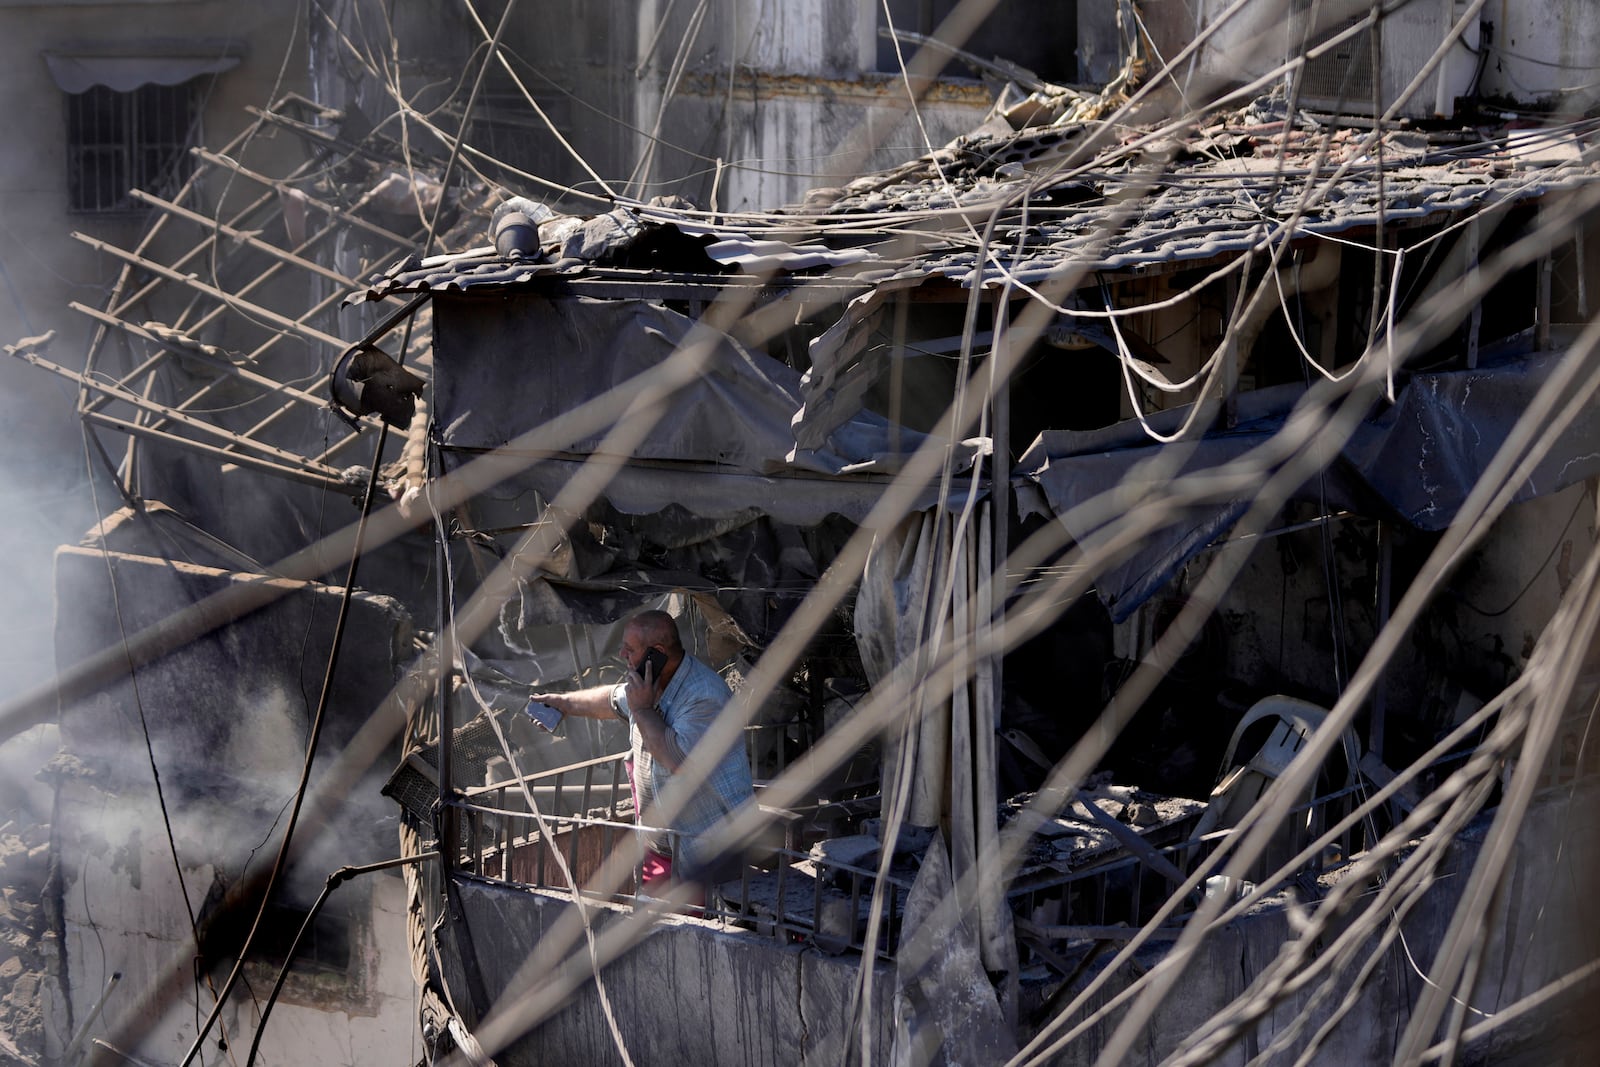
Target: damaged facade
1068,505
77,77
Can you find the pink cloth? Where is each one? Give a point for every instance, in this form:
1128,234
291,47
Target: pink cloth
655,868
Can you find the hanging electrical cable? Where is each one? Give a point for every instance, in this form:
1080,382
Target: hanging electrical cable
333,881
89,438
528,98
336,641
1108,312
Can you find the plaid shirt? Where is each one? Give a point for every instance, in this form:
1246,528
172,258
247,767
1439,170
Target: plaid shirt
689,705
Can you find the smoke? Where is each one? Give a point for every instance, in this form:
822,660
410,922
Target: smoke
46,500
23,796
41,513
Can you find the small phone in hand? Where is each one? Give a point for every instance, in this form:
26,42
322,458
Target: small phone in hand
543,714
656,661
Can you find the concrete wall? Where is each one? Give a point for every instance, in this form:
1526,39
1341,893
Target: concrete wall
784,135
123,910
225,720
1543,49
689,993
785,96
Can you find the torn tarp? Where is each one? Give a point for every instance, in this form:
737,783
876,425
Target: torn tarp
1413,461
1424,455
721,445
800,500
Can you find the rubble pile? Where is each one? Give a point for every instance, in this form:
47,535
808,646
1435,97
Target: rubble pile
24,870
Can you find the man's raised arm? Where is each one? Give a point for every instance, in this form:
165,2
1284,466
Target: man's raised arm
591,703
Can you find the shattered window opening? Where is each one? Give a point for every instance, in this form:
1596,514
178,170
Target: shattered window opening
326,945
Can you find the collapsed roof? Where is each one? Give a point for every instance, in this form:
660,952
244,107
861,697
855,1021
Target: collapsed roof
1037,204
1042,203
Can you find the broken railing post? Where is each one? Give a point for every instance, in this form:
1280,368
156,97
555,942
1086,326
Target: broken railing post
447,659
1475,320
1230,358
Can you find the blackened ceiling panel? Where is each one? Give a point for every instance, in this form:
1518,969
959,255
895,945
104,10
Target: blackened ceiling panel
717,440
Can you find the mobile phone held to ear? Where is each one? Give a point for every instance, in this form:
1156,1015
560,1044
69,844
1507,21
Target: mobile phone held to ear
656,661
543,714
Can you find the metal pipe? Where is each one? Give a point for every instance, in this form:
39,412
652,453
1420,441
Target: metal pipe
71,1054
337,878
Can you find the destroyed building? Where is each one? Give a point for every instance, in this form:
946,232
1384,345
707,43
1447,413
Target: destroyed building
102,98
1138,538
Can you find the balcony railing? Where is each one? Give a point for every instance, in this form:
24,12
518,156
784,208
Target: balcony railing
792,893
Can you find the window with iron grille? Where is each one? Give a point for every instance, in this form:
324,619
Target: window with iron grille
120,141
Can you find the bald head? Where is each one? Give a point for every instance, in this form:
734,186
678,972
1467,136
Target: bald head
657,628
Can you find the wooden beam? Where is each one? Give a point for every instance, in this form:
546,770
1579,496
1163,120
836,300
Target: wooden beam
282,321
271,271
238,218
318,308
238,459
266,198
141,403
406,243
149,367
126,380
284,257
209,361
244,238
120,304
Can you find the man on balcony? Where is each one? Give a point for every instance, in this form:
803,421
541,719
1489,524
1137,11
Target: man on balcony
669,701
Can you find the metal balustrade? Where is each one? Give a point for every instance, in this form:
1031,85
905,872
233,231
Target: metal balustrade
794,895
